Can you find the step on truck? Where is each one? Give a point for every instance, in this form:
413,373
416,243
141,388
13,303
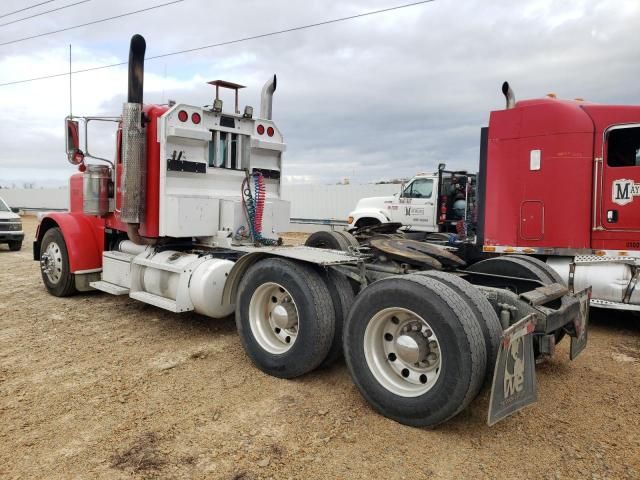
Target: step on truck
185,217
558,181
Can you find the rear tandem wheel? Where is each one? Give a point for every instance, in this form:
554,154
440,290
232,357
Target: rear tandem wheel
285,317
415,349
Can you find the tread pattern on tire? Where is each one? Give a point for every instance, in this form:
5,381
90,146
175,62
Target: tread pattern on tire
472,330
342,297
452,310
350,239
321,303
489,322
327,239
549,272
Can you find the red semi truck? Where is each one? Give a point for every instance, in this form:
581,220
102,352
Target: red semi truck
185,217
559,180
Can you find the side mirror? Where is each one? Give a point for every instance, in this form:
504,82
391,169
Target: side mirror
402,185
15,209
74,154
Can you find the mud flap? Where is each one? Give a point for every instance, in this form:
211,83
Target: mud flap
514,377
580,324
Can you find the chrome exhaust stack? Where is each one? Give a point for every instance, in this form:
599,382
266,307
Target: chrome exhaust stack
133,139
266,99
508,95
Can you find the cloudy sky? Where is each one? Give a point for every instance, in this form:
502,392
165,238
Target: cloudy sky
373,98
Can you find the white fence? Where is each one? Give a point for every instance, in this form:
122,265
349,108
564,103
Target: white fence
309,203
330,202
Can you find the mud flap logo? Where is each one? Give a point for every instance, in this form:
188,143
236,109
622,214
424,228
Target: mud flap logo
623,191
514,377
514,374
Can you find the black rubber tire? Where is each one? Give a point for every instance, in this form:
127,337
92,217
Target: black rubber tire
511,266
484,312
342,296
524,267
550,273
66,284
351,240
15,246
461,343
315,315
326,239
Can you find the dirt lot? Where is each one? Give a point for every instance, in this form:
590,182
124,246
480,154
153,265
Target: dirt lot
96,386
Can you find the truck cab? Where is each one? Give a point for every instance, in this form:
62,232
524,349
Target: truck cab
442,201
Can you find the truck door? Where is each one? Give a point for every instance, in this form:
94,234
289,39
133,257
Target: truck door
620,201
416,205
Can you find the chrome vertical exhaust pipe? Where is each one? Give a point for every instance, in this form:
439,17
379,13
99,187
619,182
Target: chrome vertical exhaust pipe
134,159
266,99
508,95
133,138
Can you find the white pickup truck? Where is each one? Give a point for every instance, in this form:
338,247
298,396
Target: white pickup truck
430,202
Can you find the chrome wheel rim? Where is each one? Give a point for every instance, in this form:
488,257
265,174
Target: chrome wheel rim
51,262
273,318
402,352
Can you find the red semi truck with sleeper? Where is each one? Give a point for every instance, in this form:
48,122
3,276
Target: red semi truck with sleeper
185,217
559,181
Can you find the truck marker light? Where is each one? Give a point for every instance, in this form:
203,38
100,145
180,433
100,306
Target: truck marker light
509,250
601,253
270,131
260,129
195,118
350,220
488,249
183,116
622,253
529,250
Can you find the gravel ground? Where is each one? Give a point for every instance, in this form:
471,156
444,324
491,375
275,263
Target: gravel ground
95,386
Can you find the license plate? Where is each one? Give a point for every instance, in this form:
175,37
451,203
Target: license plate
514,377
580,325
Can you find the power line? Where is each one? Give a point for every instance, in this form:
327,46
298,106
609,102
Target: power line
43,13
91,23
26,8
228,42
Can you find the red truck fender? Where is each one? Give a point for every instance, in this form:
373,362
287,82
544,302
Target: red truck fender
83,235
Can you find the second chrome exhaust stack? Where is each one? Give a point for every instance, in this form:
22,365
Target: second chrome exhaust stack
266,99
508,95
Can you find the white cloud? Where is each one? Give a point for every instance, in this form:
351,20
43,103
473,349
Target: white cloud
374,98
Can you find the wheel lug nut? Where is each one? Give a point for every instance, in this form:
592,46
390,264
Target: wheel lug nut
277,329
427,333
388,337
395,320
432,357
392,357
405,372
433,345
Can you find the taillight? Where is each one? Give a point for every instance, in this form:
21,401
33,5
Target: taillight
183,116
443,208
195,118
260,129
270,131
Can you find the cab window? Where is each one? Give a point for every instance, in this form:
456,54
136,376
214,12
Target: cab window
623,147
419,188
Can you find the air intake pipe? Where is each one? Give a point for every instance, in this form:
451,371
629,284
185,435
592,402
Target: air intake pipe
508,95
266,99
134,164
